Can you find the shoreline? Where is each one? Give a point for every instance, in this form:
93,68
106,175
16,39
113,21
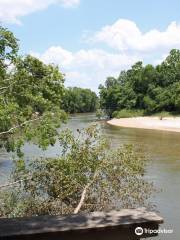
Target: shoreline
171,124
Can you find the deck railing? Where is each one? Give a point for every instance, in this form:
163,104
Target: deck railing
114,225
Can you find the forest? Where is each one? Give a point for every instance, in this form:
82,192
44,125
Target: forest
144,89
79,100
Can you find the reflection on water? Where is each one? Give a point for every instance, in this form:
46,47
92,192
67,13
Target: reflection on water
163,150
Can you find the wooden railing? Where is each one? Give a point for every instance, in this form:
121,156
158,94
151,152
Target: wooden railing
114,225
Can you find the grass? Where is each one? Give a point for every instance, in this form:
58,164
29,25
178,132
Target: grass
125,113
163,114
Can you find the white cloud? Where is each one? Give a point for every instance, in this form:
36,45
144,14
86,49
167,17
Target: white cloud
56,55
124,35
12,10
87,68
69,3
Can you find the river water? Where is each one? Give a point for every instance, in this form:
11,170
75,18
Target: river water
163,166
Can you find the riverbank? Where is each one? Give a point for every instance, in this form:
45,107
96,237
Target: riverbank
171,124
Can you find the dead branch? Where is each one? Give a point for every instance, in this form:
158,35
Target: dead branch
16,182
19,126
10,184
83,195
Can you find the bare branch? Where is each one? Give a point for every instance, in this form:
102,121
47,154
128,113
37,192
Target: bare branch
6,87
16,182
19,126
3,88
10,184
83,195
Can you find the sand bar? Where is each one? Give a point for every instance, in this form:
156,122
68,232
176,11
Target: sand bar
171,124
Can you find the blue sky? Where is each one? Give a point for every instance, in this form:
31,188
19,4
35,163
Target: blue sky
92,39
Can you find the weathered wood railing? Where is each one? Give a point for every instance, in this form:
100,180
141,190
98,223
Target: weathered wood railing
114,225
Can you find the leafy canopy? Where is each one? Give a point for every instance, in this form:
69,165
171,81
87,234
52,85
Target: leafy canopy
148,88
31,95
79,100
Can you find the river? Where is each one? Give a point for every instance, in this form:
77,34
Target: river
163,166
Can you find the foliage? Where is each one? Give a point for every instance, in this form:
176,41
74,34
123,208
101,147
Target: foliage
100,113
163,114
8,49
79,100
148,88
125,113
30,98
55,185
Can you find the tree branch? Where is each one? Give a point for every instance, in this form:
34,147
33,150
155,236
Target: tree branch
10,184
16,182
3,88
19,126
83,195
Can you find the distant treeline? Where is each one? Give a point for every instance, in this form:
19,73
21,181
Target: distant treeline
79,100
148,89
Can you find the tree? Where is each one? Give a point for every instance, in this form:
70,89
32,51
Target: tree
8,50
79,100
30,98
86,176
100,114
108,96
146,88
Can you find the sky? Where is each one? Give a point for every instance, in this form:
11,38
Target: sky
92,39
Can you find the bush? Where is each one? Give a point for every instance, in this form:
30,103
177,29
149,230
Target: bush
163,114
125,113
108,178
100,114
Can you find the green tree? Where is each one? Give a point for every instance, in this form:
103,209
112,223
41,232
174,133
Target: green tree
30,98
109,96
148,88
87,176
8,50
79,100
100,114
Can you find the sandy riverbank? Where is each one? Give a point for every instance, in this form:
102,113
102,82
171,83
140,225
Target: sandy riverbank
166,124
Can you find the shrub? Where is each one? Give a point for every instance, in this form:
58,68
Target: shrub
100,114
125,113
86,166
